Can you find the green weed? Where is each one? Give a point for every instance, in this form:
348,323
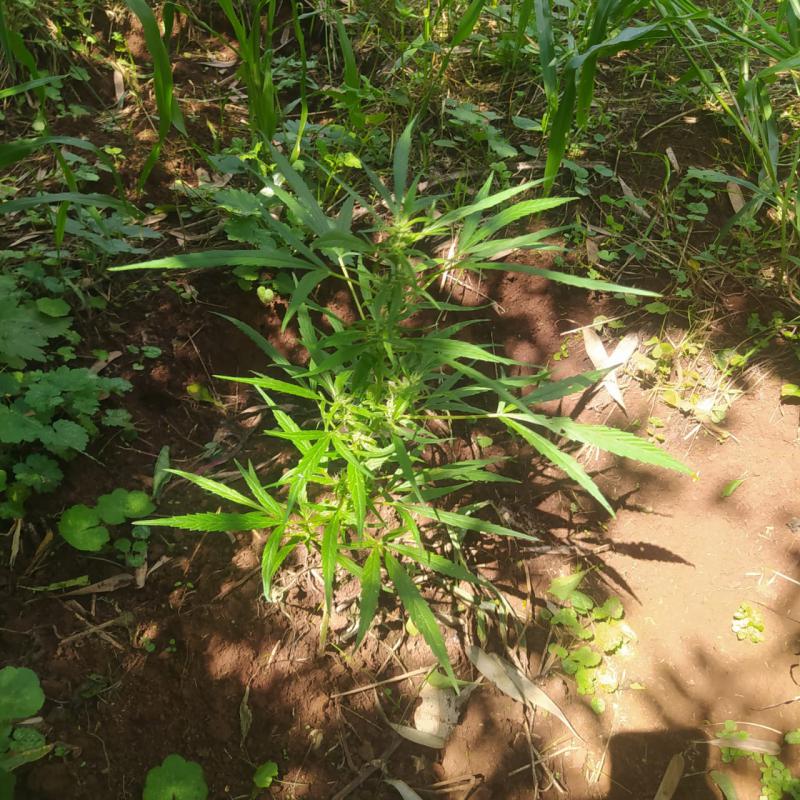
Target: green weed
49,410
21,697
587,633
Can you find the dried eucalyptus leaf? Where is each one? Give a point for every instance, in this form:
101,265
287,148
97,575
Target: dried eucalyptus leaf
672,777
418,737
749,745
512,682
405,791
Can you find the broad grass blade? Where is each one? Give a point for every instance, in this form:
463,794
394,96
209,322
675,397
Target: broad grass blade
467,23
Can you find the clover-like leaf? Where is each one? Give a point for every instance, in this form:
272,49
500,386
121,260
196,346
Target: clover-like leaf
569,619
611,609
79,525
586,657
581,602
265,774
175,779
111,507
52,306
117,506
608,637
584,680
138,505
563,587
21,695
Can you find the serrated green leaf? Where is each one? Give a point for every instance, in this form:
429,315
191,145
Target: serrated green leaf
274,385
358,494
64,434
562,460
217,489
434,561
370,592
419,612
467,523
213,522
39,472
329,553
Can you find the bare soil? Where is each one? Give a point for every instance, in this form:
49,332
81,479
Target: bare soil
681,558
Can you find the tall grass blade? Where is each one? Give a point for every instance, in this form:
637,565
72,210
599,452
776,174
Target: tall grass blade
523,18
467,23
169,113
547,50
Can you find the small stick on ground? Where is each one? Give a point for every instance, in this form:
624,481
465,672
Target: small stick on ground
374,685
367,770
123,620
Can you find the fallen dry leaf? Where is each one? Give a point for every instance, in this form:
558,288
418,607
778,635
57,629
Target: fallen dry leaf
101,587
405,791
600,358
509,680
102,363
673,159
628,192
437,714
735,196
750,745
418,737
119,86
672,777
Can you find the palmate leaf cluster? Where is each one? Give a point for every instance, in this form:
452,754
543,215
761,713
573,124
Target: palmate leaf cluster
49,410
380,392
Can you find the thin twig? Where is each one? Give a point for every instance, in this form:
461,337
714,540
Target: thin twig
374,685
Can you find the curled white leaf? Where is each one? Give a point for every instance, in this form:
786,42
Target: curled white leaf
405,791
600,358
418,737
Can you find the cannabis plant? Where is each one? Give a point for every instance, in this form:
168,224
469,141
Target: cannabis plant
378,392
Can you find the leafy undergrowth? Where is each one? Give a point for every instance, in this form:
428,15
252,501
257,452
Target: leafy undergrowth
368,179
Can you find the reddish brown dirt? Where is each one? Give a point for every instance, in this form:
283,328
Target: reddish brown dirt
172,674
681,558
